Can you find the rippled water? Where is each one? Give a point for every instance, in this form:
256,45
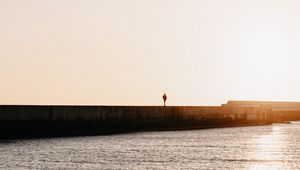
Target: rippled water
262,147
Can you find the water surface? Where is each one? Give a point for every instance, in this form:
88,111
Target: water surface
261,147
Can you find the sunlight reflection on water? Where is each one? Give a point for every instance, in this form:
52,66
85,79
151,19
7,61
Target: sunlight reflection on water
267,149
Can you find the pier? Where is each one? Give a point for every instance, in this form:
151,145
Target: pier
59,120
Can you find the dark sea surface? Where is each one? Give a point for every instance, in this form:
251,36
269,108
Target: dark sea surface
274,146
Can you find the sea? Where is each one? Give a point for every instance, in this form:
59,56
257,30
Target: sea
275,146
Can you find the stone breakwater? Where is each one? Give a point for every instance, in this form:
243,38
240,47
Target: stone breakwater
36,121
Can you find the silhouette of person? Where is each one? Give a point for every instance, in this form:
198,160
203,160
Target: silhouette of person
165,98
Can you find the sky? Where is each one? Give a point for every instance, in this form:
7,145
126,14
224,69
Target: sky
130,52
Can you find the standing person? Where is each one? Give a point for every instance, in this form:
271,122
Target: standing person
165,98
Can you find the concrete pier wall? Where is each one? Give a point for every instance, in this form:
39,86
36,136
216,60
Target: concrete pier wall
274,105
36,121
23,113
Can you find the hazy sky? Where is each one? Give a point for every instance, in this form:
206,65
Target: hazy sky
129,52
